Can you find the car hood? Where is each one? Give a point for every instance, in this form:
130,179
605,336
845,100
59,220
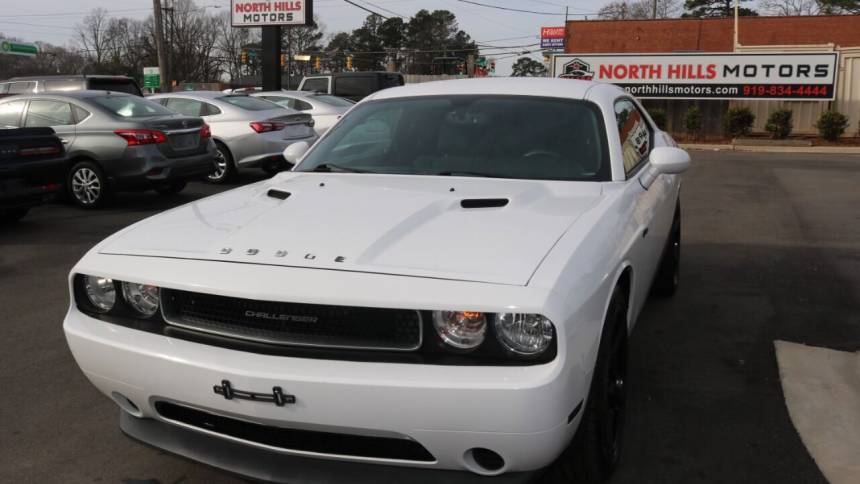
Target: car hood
387,224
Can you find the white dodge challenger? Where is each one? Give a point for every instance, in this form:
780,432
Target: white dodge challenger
441,289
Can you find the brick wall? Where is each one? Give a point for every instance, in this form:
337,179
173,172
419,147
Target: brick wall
708,35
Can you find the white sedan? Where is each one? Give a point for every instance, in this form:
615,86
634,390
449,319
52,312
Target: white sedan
445,282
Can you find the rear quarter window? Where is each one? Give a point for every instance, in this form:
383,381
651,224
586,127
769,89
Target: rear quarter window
127,86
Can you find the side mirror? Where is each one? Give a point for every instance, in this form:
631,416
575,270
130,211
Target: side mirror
665,160
295,151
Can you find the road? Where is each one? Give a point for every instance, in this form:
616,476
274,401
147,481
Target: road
771,251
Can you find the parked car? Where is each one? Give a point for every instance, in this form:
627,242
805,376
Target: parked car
73,82
445,282
354,86
248,132
117,141
324,108
32,166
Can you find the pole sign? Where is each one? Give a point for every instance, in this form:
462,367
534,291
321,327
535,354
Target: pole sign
18,48
151,77
271,12
552,38
708,76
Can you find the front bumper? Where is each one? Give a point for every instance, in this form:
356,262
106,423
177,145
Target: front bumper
521,413
266,465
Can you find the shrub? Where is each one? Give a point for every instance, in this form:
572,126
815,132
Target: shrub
831,125
659,117
779,124
693,121
738,122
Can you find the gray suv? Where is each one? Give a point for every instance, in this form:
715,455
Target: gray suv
73,82
116,141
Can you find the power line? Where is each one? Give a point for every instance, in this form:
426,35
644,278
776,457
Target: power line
72,13
36,25
365,9
384,9
521,10
508,38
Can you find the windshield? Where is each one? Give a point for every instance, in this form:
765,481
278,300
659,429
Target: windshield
496,136
333,100
249,103
131,106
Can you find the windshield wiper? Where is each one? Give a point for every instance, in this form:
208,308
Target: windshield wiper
331,167
467,173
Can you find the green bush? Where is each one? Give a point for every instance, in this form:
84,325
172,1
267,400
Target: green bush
779,124
831,125
659,117
693,121
738,122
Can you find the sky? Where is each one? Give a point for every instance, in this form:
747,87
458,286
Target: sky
53,21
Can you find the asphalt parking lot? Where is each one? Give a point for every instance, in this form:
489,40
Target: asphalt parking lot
771,250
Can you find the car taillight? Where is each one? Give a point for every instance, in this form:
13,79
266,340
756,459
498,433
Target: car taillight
264,126
42,150
135,137
205,132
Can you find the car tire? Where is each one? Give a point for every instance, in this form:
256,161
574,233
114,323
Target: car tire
594,451
224,168
87,185
12,216
669,273
171,188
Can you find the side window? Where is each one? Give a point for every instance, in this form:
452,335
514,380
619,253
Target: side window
316,84
10,114
300,105
4,87
635,135
22,87
353,86
80,113
188,107
45,113
209,109
286,102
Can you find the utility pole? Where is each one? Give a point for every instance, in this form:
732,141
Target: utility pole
159,46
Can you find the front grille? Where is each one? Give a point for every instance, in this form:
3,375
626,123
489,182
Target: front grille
294,323
297,439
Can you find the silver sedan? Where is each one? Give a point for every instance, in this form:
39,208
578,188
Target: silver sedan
325,108
248,132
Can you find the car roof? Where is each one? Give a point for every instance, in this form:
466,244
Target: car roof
517,86
83,94
198,94
68,76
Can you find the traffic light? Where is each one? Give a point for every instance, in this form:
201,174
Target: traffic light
349,62
492,66
283,60
244,57
317,63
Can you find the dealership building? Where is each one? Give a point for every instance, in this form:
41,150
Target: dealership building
808,64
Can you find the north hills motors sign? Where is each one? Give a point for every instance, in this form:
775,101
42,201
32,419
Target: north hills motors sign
261,13
708,76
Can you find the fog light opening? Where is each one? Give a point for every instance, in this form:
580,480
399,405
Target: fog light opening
126,404
484,461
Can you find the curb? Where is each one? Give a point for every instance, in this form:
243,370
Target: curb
846,150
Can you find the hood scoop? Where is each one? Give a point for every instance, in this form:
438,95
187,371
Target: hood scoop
483,202
279,194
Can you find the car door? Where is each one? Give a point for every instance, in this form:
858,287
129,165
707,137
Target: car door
52,113
648,225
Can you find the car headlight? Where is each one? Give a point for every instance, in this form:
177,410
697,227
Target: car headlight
462,330
101,292
524,334
143,298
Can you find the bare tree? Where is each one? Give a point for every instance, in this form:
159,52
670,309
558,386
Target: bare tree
231,41
790,7
93,35
639,9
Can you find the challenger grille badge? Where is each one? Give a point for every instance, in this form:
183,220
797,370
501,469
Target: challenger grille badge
252,251
280,253
310,256
278,397
226,250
